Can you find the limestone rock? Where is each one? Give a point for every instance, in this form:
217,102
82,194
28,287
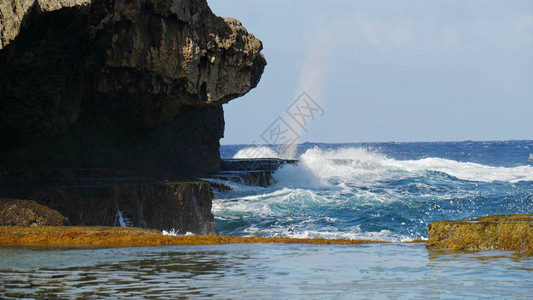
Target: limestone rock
135,85
28,213
505,232
13,12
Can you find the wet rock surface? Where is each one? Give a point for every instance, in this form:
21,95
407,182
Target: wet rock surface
503,232
249,171
110,198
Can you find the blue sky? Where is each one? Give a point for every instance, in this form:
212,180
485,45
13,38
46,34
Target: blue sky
390,70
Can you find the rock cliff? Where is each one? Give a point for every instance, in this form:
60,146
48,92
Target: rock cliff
91,90
136,85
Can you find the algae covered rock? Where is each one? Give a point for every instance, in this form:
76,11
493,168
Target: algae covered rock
136,237
28,213
502,232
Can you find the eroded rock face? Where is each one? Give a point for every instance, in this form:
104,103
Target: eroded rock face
135,85
109,198
13,12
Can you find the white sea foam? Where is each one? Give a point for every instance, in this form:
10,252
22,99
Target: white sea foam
171,232
466,170
257,205
329,233
174,232
257,152
320,195
363,166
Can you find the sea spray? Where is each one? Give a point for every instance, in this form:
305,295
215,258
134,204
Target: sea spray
311,83
371,165
365,164
340,191
174,232
122,221
257,152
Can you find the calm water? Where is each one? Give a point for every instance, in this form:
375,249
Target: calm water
376,191
265,271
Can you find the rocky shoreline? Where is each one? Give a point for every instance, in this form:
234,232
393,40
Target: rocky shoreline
111,110
110,237
111,198
504,232
106,197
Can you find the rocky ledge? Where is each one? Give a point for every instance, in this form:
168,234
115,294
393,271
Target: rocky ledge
135,237
504,232
110,198
248,171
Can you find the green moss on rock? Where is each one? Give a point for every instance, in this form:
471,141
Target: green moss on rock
502,232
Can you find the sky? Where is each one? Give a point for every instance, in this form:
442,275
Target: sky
381,71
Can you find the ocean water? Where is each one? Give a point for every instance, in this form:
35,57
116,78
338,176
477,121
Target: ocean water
395,271
386,191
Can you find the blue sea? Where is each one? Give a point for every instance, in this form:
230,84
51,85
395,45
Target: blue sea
380,191
386,191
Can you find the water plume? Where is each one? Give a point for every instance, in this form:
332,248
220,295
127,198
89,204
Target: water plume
313,75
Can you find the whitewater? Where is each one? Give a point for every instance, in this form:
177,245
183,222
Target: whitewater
388,191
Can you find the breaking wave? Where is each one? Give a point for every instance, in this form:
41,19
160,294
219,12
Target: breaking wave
256,152
361,193
316,166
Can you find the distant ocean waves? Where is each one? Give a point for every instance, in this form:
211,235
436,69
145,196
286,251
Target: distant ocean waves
337,191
